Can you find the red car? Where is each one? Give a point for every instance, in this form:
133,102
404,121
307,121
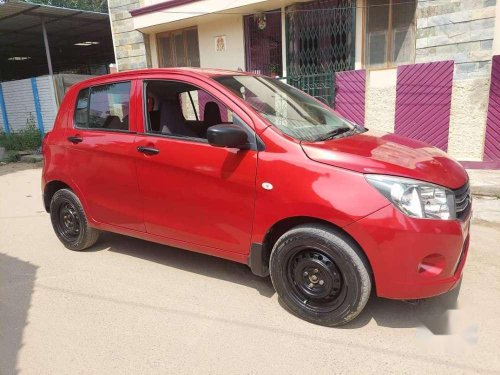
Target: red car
247,168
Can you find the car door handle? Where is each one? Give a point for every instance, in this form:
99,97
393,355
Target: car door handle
75,139
148,150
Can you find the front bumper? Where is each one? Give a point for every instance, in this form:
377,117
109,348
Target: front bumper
412,258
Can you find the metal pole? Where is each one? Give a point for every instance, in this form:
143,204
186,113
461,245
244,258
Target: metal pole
284,44
46,42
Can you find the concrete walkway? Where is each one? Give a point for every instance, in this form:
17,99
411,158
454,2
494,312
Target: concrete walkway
485,182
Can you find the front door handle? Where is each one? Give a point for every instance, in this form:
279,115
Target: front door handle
148,150
75,139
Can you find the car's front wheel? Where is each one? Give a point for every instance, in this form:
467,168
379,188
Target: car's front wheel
69,221
320,274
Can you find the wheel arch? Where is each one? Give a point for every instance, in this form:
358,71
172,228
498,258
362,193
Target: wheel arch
260,253
53,186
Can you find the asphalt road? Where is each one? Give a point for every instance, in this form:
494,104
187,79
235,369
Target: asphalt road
132,307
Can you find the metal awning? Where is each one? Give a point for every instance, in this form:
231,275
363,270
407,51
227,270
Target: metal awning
77,40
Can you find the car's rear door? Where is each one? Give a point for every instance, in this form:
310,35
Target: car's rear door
192,192
101,153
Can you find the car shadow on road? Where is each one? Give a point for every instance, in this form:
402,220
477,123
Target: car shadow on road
431,313
17,280
385,312
185,260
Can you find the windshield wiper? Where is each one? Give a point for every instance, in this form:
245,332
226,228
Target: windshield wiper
334,133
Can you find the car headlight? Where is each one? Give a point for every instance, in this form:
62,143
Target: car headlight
416,198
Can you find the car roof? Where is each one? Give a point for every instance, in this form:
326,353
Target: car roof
144,73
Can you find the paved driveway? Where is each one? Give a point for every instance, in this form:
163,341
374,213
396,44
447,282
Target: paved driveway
132,307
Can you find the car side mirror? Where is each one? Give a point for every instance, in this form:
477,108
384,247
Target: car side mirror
227,135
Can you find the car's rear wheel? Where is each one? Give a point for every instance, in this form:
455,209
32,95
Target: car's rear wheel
320,274
69,221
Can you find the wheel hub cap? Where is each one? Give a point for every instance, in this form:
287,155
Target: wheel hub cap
316,276
69,220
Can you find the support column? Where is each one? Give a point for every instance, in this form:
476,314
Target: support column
46,43
283,40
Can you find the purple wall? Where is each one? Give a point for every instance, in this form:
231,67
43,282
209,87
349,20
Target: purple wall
492,139
350,95
423,102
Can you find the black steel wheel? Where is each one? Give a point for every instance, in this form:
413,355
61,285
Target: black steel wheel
320,274
69,221
315,280
68,224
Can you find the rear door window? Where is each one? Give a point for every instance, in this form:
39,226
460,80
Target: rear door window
82,109
104,107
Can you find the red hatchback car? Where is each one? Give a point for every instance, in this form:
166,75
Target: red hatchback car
247,168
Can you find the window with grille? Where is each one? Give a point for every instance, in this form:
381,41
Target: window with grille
390,33
320,36
179,48
320,42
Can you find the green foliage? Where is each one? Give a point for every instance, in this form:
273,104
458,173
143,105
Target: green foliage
28,138
92,5
11,157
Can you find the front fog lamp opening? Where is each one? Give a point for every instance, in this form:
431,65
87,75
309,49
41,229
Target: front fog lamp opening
416,198
432,265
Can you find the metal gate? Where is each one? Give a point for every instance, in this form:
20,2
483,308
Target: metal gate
423,102
492,138
320,42
321,86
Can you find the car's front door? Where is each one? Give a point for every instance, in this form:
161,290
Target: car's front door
191,191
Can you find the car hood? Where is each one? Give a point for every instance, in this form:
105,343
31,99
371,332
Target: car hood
383,153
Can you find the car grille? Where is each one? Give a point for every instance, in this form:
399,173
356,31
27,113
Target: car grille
462,201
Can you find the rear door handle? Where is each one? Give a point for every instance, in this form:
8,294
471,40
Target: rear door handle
75,139
148,150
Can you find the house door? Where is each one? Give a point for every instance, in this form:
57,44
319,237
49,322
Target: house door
263,43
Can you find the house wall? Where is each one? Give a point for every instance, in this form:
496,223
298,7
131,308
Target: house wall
234,57
231,26
209,26
131,46
458,30
380,99
462,31
496,34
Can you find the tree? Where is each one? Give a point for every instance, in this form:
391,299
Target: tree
92,5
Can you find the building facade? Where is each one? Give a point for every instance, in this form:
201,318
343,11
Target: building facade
420,68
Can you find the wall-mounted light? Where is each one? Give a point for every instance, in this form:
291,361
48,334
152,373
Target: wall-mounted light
86,44
19,58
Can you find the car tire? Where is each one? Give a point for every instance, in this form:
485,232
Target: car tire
70,222
320,274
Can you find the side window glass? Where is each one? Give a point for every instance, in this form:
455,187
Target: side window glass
182,110
81,110
109,106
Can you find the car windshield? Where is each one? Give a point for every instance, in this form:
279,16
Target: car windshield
289,109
